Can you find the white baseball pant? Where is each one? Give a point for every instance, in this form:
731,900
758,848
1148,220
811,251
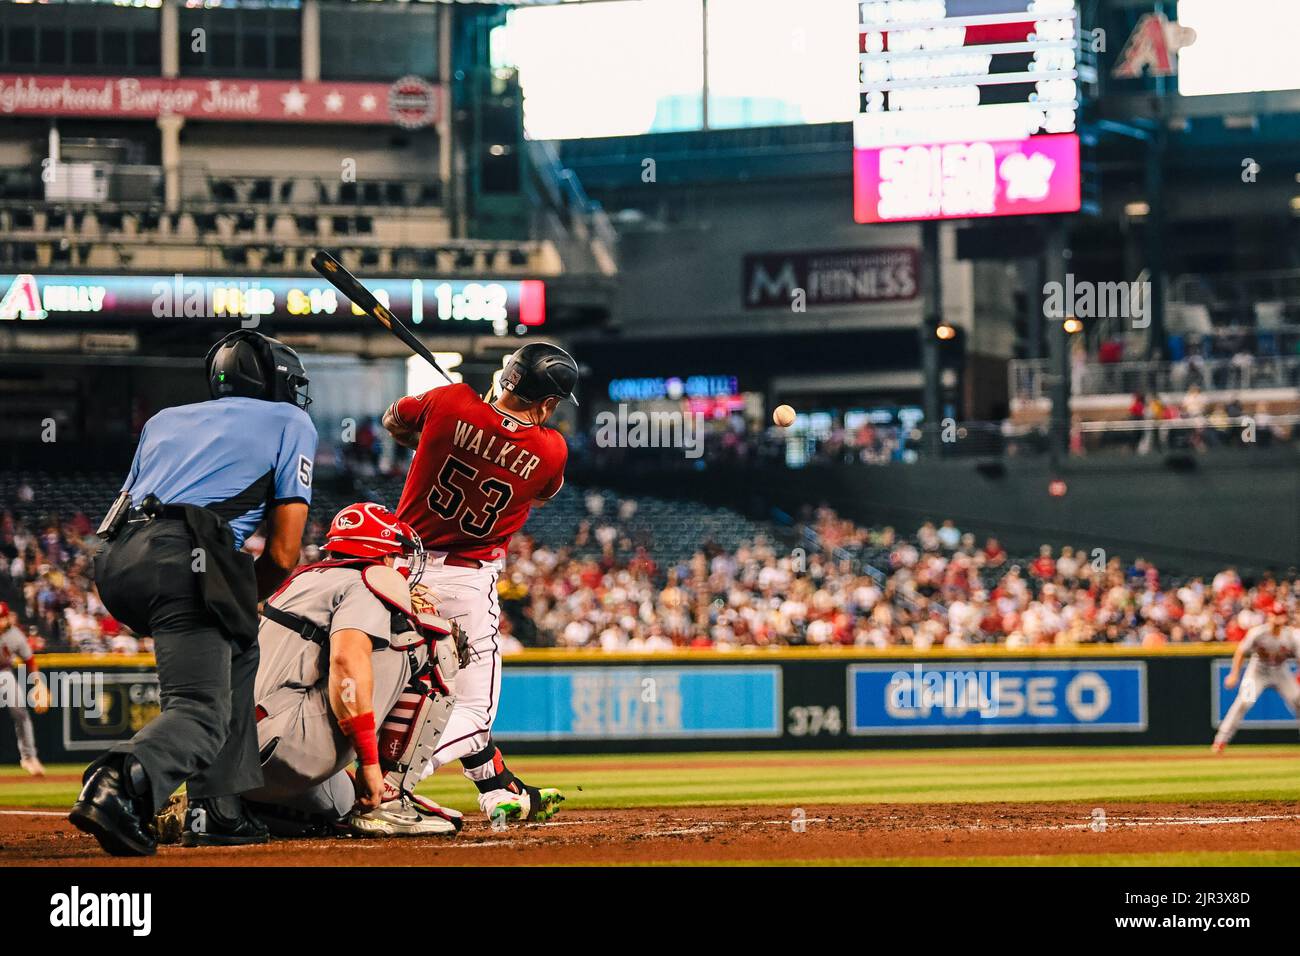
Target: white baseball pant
14,696
1254,681
468,596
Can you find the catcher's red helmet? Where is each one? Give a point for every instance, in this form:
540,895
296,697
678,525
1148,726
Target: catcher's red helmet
369,530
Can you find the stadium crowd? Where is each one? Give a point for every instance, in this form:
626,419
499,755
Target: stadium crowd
46,588
607,588
868,588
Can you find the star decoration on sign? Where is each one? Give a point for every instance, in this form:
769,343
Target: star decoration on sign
295,101
334,101
368,103
1027,177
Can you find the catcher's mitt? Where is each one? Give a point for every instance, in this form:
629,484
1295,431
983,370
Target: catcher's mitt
39,697
426,611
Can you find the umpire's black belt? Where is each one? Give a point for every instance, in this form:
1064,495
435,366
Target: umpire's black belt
170,512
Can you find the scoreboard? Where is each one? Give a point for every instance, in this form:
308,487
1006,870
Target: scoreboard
966,108
483,306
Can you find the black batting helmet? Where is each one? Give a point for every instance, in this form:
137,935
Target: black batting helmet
539,370
253,365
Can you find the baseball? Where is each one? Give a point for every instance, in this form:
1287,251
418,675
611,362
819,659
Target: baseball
783,415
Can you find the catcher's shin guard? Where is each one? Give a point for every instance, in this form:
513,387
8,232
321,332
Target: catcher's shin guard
409,734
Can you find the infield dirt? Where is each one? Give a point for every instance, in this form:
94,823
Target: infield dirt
883,833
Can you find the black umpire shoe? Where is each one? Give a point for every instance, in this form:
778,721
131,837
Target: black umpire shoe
111,814
222,821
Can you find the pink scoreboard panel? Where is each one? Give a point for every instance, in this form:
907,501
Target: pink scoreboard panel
967,108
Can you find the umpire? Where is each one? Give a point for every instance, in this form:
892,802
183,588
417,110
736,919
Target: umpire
204,477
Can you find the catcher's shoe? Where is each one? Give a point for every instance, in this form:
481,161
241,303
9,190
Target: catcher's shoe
33,766
404,817
533,805
169,822
429,808
285,823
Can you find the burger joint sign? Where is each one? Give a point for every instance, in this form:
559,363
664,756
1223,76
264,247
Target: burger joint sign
410,102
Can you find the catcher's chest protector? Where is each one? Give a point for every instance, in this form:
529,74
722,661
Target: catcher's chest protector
376,599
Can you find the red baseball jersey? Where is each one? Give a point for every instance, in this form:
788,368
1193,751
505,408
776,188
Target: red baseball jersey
476,471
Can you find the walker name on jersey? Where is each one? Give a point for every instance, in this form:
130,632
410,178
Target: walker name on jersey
505,454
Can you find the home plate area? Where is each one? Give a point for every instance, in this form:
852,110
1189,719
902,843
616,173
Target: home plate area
940,834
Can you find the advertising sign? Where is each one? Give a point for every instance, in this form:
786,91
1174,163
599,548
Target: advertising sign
639,703
1014,697
409,102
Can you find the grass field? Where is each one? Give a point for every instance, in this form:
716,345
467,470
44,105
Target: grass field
1169,806
992,775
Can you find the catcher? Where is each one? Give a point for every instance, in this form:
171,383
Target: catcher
350,671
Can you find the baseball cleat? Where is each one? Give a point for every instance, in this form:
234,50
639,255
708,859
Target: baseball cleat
547,804
532,806
405,817
33,766
285,823
429,808
1216,748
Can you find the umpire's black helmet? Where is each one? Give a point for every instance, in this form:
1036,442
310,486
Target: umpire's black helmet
253,365
539,370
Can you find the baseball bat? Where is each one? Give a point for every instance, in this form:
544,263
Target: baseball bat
343,280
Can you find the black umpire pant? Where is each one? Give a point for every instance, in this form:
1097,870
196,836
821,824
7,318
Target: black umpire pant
205,736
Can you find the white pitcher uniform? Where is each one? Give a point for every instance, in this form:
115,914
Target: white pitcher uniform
1267,668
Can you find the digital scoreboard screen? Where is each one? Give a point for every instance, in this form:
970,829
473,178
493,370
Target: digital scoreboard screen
966,108
485,306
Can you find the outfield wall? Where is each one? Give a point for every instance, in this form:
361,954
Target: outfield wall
582,702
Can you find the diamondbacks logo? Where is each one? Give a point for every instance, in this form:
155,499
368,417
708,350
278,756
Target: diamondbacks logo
1153,47
23,300
1027,177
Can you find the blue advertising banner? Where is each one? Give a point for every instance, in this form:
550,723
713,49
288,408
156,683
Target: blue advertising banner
631,703
1269,711
1015,697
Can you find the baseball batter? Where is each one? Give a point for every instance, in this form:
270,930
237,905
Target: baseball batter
479,468
350,671
13,696
1269,646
